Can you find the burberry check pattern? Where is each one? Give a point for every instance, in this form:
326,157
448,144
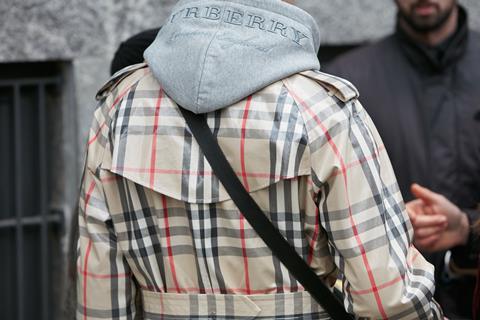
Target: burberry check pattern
160,238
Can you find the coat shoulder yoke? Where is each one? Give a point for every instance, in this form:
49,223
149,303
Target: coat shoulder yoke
116,78
336,86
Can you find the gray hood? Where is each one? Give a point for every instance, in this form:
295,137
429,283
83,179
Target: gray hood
213,53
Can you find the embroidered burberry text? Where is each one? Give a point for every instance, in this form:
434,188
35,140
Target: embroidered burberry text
241,18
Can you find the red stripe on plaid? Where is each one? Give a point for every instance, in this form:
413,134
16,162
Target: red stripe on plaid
242,142
154,140
245,183
103,276
88,195
360,161
244,253
163,171
380,287
316,231
232,290
201,173
162,306
87,253
392,282
414,257
169,244
117,100
95,137
338,155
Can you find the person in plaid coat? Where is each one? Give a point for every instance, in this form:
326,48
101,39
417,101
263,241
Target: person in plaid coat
159,236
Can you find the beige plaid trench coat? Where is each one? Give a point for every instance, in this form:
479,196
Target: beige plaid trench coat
160,238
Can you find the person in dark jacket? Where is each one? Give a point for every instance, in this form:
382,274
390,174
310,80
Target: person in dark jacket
131,50
421,86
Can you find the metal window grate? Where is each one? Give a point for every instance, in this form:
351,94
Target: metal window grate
29,229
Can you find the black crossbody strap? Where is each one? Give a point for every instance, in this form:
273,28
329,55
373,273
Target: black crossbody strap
259,221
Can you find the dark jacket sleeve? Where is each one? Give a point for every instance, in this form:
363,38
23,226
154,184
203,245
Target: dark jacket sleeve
466,257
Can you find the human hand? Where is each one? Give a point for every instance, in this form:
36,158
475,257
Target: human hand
438,223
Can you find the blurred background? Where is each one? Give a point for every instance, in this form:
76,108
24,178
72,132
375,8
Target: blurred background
54,55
